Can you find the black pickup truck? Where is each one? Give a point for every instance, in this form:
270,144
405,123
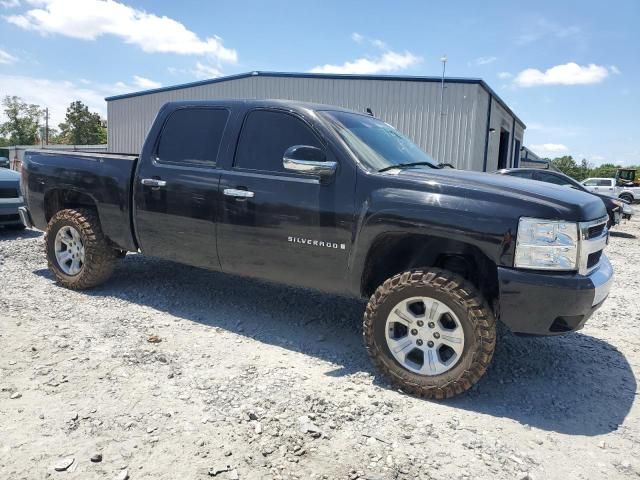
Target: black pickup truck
326,198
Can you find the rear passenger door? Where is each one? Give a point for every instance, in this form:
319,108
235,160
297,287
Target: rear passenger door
606,186
279,225
176,188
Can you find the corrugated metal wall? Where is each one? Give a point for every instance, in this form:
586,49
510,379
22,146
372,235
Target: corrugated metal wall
456,136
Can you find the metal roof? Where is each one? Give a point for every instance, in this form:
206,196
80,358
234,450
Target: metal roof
477,81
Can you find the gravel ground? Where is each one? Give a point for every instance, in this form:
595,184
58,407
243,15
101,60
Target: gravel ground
247,380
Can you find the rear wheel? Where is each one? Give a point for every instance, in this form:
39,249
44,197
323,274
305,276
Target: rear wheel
78,253
627,197
430,332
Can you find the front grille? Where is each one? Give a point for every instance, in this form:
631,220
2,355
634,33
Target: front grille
596,230
593,259
9,193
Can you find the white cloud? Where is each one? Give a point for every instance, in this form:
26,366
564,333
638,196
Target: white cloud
90,19
389,61
10,3
143,82
546,149
568,74
484,60
356,37
58,94
361,39
203,71
504,75
54,94
544,29
6,58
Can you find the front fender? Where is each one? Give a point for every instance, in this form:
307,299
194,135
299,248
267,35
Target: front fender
483,225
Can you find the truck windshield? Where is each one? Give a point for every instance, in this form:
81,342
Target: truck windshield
377,144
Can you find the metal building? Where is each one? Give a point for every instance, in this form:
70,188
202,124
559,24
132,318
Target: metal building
461,121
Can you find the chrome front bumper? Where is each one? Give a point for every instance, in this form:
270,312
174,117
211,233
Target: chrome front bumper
602,279
25,217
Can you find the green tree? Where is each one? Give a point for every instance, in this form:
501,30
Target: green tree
606,170
82,127
21,127
566,165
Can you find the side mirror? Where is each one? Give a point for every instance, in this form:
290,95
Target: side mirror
308,160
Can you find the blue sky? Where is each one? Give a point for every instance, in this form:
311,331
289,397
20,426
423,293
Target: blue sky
568,69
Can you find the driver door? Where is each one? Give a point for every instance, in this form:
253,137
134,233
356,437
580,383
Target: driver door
282,225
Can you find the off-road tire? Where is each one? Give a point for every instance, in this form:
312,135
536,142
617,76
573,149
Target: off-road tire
99,254
478,323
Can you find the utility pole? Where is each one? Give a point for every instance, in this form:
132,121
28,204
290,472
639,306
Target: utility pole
443,59
46,125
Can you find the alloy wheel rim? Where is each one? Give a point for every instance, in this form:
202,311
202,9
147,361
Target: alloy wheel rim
424,335
69,250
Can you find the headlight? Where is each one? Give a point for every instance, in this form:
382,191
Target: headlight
546,244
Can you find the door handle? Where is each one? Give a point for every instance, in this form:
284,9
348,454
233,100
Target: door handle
234,192
153,182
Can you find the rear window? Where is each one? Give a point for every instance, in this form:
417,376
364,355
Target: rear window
192,136
605,183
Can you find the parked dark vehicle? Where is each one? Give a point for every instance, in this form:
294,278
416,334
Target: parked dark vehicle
325,198
10,200
617,208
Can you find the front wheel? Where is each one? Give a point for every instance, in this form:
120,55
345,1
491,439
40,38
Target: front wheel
78,253
430,332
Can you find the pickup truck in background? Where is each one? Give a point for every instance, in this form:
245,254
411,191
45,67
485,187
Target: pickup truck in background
608,186
326,198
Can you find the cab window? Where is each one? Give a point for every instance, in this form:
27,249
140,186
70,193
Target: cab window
551,178
266,135
192,136
520,174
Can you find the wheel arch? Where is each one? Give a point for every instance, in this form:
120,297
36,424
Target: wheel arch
627,195
62,198
391,253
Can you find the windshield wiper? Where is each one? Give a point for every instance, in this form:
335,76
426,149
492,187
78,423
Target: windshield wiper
406,165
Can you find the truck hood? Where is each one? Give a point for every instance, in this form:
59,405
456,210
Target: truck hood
541,198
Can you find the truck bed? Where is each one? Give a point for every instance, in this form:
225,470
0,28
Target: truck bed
106,177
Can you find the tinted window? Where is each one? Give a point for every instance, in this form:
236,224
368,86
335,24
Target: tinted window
590,183
519,174
192,136
604,183
551,178
266,135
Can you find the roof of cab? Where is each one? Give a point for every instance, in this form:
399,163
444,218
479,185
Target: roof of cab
288,104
